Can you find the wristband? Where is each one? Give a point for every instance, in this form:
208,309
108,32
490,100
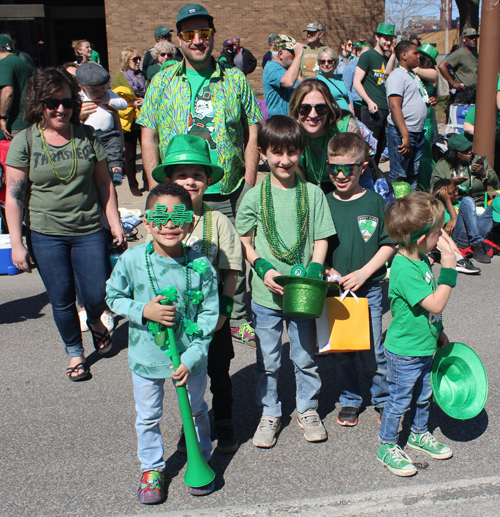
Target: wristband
448,276
315,270
262,266
226,305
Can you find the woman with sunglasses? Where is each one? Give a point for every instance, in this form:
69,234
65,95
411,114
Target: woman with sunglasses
57,168
313,106
327,61
131,86
163,52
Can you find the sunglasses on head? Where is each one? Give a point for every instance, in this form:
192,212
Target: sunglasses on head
202,33
325,61
346,169
53,104
305,109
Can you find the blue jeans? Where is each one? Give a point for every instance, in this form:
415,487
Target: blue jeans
471,229
148,395
404,166
61,259
373,360
409,386
268,324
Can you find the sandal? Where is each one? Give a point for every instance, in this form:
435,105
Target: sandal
101,339
73,369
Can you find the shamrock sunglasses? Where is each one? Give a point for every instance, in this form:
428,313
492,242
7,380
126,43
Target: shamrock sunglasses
160,217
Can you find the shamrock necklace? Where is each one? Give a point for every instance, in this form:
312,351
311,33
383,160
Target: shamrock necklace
74,165
317,176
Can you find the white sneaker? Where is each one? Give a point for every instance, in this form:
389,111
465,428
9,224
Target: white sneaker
83,321
117,179
314,430
265,436
108,320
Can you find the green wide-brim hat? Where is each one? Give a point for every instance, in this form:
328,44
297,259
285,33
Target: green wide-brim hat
459,382
303,297
431,52
189,150
385,29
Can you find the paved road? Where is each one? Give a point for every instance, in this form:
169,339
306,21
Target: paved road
70,449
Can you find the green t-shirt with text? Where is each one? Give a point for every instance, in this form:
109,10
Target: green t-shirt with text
375,65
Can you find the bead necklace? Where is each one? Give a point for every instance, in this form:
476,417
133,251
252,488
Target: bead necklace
433,288
74,166
277,247
317,177
207,231
420,86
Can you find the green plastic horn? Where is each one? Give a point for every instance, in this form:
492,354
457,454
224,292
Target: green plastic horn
198,472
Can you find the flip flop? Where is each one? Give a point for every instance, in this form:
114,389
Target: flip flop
76,378
99,338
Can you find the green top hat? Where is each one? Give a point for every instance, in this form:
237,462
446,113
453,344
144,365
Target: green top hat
431,52
385,29
190,150
401,189
459,381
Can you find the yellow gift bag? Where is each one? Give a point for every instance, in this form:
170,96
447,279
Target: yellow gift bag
344,325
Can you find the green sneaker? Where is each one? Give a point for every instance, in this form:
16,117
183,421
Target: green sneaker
427,444
392,457
245,334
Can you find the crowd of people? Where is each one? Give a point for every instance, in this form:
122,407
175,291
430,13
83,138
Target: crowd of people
323,209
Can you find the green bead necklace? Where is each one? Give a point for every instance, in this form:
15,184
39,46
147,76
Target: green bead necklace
207,230
319,176
277,246
74,166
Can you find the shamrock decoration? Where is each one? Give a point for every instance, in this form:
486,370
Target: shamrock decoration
200,266
191,328
170,293
154,327
195,296
160,217
366,226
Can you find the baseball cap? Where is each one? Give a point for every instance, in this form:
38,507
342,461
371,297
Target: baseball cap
228,43
470,32
5,42
190,11
272,37
161,31
459,143
283,42
313,27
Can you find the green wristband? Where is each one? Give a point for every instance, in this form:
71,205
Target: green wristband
262,266
315,270
226,305
448,276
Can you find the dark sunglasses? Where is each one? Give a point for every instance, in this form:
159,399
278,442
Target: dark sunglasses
305,109
346,169
163,54
136,58
53,104
467,151
202,33
324,61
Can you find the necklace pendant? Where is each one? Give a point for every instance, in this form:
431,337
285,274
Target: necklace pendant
298,270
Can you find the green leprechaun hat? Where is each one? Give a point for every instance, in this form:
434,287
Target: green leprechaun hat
459,382
303,297
431,52
385,29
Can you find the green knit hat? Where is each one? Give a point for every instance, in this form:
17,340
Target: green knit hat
385,29
431,52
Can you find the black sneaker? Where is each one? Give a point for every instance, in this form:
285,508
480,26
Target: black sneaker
479,253
348,416
181,443
226,439
466,266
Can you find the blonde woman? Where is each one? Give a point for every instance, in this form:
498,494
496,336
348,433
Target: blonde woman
82,49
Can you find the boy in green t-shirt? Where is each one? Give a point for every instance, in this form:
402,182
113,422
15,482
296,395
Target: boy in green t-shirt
416,329
284,223
358,253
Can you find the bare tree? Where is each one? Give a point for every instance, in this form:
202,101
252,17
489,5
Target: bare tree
400,12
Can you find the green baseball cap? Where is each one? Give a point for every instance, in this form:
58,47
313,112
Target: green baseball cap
189,150
162,31
428,50
459,382
385,29
459,143
470,33
5,42
190,11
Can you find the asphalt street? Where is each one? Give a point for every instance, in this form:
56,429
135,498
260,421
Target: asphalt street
70,448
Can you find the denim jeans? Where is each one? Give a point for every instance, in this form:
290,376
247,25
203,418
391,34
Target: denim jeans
373,360
471,229
61,259
404,166
148,395
409,387
268,324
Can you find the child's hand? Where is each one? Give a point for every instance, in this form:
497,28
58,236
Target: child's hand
442,340
180,375
270,283
405,146
450,226
443,192
155,311
220,322
88,107
432,101
448,259
330,272
353,281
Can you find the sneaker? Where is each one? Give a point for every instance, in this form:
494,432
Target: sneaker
427,444
202,490
151,487
83,321
479,253
226,439
379,410
348,416
245,334
265,435
181,443
117,178
314,430
392,457
108,320
466,266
